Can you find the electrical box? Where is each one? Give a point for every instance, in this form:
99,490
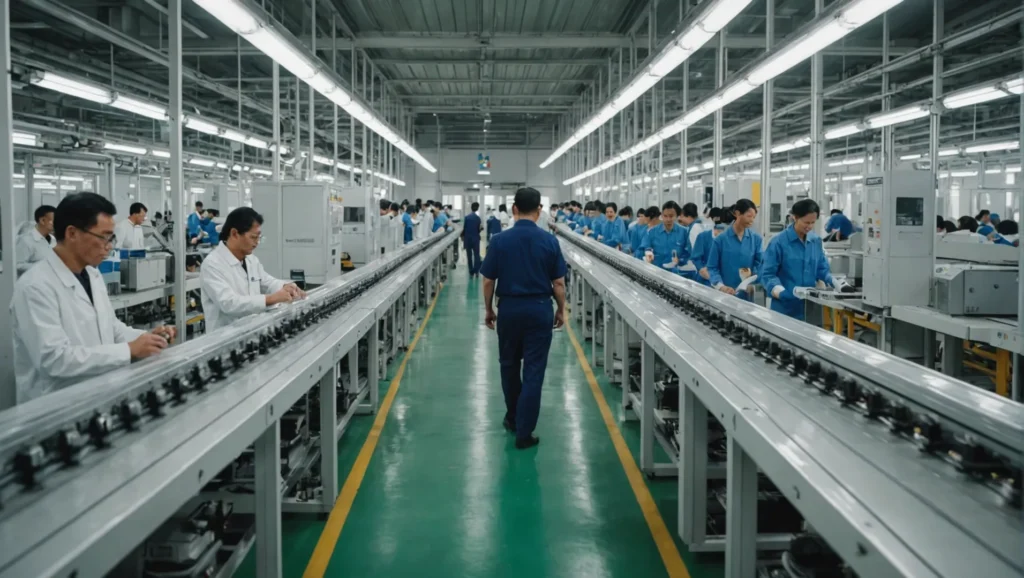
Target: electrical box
302,228
899,238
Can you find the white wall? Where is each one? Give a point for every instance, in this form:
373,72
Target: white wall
458,167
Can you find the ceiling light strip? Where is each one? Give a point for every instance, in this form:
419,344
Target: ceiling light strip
247,20
712,17
839,21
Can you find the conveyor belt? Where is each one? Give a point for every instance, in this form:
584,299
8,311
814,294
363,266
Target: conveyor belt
886,507
85,516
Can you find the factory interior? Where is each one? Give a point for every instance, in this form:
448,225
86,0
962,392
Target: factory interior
865,424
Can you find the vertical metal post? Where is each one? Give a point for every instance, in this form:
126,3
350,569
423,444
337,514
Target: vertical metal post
719,81
334,67
310,171
177,181
887,160
10,220
1017,390
938,28
328,443
353,369
817,136
741,513
373,360
693,467
766,125
647,402
352,123
609,340
268,497
112,176
276,169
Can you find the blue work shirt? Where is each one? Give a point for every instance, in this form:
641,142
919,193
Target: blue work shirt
210,228
614,233
597,225
524,260
641,236
407,221
792,263
663,243
839,222
729,254
439,221
193,223
560,215
471,230
582,223
493,226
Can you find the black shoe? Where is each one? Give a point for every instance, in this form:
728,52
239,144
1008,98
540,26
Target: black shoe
524,443
510,425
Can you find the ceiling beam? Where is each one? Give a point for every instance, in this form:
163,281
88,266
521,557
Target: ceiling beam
489,81
506,109
482,97
492,61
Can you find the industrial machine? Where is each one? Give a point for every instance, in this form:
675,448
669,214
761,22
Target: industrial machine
129,454
797,447
899,225
358,234
145,272
302,228
970,289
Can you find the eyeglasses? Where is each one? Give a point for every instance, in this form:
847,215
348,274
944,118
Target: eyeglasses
110,239
257,240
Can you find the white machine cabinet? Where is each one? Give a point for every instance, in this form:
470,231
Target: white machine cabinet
302,224
899,223
225,197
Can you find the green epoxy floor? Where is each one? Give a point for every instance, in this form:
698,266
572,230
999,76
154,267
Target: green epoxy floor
446,493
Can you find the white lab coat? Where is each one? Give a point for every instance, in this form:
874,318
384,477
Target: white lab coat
60,337
31,247
130,235
697,229
506,221
426,226
228,293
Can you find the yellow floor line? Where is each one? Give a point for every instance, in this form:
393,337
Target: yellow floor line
659,531
339,513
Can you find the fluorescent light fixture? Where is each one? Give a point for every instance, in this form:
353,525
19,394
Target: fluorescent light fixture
897,116
263,172
201,126
323,160
222,165
950,152
140,107
202,162
197,190
713,16
160,153
124,148
797,52
996,171
1015,169
962,174
792,145
233,135
68,178
912,157
972,96
26,139
63,84
237,168
257,142
1016,86
483,172
853,177
993,147
843,130
847,162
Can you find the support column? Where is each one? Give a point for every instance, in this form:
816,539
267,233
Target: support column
8,227
353,369
693,467
373,359
268,495
276,169
716,173
609,341
1017,392
929,348
647,400
741,513
952,355
328,445
817,130
177,156
627,384
766,128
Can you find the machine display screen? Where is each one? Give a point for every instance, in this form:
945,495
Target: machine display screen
909,211
355,214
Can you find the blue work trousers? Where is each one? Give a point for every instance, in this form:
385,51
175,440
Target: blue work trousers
473,257
524,339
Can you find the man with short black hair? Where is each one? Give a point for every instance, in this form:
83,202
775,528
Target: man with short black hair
233,282
471,227
194,223
526,265
36,243
64,327
130,234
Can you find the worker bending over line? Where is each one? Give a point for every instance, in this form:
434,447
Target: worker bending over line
990,233
64,327
613,229
667,243
130,234
795,262
526,264
209,227
838,226
471,227
34,244
736,254
233,282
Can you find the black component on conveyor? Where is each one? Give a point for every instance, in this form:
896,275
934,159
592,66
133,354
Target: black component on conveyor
99,430
264,346
813,370
195,377
849,391
786,356
70,444
236,358
830,379
900,418
972,459
1012,489
131,413
156,399
176,389
875,404
799,363
774,348
928,434
252,349
28,463
216,366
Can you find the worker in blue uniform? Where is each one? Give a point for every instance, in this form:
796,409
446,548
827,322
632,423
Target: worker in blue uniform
990,233
637,224
613,231
209,228
652,215
526,264
194,223
409,222
795,261
440,218
598,221
493,226
702,249
736,254
667,243
839,225
471,227
583,223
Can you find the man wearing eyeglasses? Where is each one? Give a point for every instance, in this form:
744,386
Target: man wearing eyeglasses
65,330
233,282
